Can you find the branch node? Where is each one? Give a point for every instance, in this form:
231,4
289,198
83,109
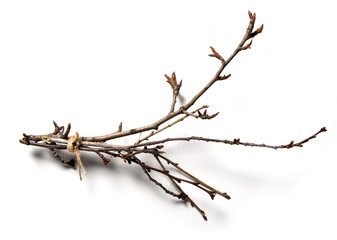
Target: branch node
65,135
120,127
57,128
105,160
122,157
247,46
252,17
25,139
216,55
256,32
173,82
224,77
226,196
205,116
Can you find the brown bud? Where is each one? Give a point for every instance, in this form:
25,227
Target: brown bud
173,82
257,31
250,14
226,195
252,17
247,46
224,77
215,54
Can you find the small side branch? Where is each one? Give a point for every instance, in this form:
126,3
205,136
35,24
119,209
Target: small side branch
70,162
167,126
179,180
105,160
236,141
175,87
146,171
213,190
193,204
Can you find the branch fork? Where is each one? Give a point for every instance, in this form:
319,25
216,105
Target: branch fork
59,139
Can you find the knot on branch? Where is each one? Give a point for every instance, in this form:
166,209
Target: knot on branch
73,145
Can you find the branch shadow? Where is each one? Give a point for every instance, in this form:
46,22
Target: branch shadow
96,168
116,167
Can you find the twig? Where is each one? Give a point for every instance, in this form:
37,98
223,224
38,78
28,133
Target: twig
236,141
169,125
179,196
105,160
178,179
223,194
193,204
70,162
175,87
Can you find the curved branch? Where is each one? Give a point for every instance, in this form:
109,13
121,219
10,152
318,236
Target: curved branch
249,34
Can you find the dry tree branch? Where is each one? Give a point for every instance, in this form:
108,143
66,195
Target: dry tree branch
169,125
186,197
60,140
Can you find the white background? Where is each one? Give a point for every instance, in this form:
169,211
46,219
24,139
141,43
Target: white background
96,63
